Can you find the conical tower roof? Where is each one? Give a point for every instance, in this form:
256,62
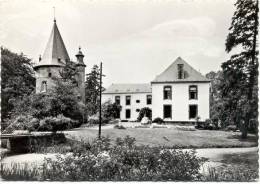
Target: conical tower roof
55,53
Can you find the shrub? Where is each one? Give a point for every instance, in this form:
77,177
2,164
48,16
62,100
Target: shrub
95,121
119,127
57,123
158,120
145,111
231,174
22,122
123,161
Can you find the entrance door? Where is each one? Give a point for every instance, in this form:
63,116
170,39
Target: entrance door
193,111
167,111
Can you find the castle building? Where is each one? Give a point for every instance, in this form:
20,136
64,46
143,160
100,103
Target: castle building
178,94
53,60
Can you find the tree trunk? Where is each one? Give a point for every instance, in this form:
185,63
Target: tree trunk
244,129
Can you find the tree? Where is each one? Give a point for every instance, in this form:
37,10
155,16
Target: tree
17,80
146,111
92,88
217,111
241,70
110,110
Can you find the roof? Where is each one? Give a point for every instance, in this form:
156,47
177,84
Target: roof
128,88
171,73
55,53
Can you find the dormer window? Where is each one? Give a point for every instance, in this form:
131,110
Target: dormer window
180,71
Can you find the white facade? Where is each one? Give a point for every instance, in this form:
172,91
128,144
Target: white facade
180,101
179,94
137,102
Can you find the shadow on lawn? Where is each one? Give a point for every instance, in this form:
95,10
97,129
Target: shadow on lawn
250,138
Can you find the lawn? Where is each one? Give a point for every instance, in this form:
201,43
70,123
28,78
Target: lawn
171,137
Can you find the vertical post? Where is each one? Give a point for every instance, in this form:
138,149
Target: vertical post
100,96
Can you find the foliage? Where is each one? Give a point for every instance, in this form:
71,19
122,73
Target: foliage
22,122
94,120
146,111
30,123
158,120
123,161
92,90
119,127
57,123
231,174
110,110
69,72
17,80
241,70
20,172
218,112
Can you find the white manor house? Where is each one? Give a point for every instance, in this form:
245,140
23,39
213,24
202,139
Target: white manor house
178,94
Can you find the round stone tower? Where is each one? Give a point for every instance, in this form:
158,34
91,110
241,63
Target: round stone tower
53,60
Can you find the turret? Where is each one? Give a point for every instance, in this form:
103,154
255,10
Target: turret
81,74
80,57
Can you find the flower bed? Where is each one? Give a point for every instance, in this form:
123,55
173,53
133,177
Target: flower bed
123,161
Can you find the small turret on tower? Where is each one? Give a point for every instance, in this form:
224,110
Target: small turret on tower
80,57
81,73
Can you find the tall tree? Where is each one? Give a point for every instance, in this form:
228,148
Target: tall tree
92,90
17,80
241,70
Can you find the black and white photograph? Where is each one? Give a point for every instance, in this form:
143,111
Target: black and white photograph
129,90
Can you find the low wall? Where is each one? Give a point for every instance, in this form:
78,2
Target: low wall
31,142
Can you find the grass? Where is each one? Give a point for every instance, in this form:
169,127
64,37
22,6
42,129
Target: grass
172,137
235,167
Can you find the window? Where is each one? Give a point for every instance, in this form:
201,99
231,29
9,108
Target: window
167,92
137,110
128,100
127,113
180,71
117,100
149,99
49,74
193,111
193,92
167,111
44,86
137,101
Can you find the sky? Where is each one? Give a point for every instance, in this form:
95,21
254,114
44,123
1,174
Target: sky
135,39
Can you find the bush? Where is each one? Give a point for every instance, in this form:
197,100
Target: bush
57,123
22,122
119,127
158,120
228,174
123,161
95,120
144,111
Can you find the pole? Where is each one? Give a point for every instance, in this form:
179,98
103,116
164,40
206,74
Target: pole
100,96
